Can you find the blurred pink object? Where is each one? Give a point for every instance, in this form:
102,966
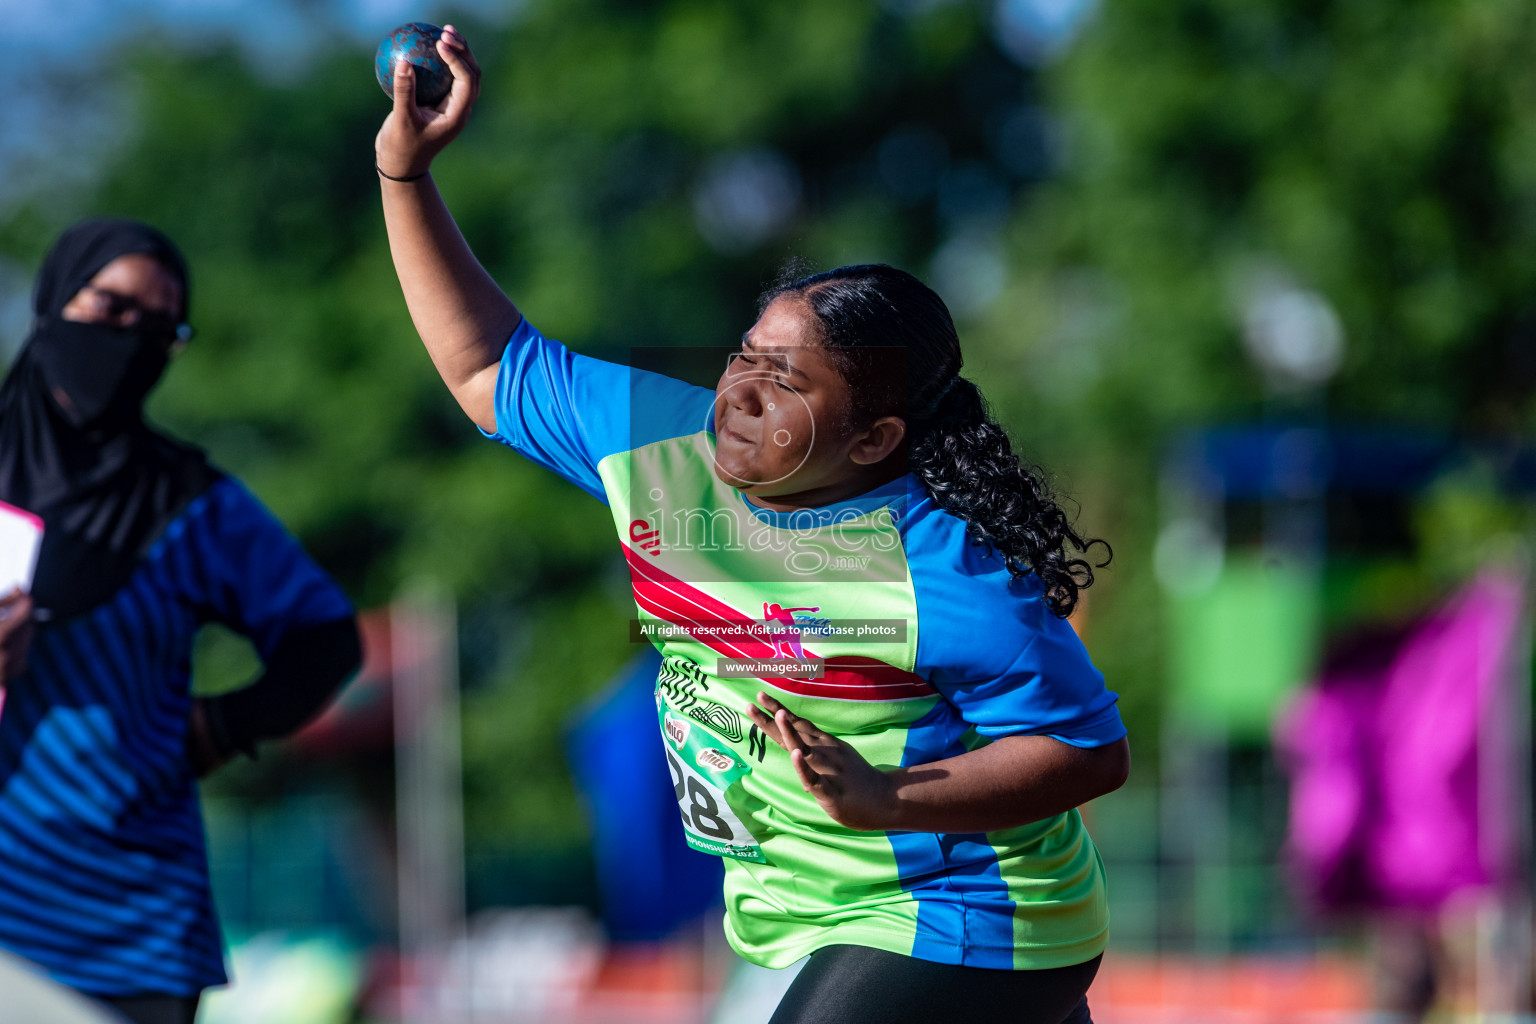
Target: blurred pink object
1402,758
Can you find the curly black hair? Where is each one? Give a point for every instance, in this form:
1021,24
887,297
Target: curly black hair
893,340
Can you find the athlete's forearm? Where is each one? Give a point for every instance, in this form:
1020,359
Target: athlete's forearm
463,317
1008,783
1012,782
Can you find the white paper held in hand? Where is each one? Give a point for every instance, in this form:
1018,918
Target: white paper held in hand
21,534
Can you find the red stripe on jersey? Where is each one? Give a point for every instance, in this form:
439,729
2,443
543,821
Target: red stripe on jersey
847,677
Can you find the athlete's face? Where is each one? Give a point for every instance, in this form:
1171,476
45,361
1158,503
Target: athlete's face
782,415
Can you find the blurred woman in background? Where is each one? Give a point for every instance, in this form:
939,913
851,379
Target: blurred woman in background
105,884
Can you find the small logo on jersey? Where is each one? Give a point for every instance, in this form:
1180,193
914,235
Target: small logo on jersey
718,717
783,634
677,730
645,537
714,760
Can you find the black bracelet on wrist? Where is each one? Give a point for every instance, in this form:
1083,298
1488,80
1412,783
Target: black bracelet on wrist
391,177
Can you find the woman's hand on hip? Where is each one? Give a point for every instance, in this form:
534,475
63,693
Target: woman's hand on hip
413,135
852,791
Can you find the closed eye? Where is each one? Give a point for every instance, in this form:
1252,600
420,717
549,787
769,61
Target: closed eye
751,360
746,357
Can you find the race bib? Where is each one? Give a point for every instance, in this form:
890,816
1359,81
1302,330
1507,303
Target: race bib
703,768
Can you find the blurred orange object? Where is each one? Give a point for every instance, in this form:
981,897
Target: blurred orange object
1274,990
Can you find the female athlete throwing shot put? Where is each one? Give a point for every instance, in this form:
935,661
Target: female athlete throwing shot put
900,806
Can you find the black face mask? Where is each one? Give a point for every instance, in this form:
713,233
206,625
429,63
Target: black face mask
104,373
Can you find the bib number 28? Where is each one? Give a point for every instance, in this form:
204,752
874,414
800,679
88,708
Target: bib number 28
699,802
703,768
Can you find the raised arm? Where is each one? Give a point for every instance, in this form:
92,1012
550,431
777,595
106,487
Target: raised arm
463,317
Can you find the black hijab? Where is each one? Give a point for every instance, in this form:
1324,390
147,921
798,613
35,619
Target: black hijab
104,483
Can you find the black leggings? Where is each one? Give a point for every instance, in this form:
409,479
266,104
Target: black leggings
859,985
155,1009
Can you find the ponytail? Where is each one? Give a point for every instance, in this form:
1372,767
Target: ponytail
962,456
966,461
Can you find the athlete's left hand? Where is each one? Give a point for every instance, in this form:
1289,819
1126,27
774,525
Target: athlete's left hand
413,135
851,790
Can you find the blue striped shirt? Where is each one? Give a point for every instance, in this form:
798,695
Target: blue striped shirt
103,866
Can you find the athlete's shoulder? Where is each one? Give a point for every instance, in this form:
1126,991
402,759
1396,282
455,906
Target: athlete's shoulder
989,642
975,618
569,412
627,406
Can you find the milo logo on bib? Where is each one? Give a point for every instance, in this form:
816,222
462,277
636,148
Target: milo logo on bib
702,770
676,729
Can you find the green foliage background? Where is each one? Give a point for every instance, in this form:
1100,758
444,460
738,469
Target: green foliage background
1383,152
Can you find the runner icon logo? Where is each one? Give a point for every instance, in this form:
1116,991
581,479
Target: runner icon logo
784,637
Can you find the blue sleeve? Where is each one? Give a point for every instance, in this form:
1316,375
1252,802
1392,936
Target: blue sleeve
1050,688
990,645
252,574
568,412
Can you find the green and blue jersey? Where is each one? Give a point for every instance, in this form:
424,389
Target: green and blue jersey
897,634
